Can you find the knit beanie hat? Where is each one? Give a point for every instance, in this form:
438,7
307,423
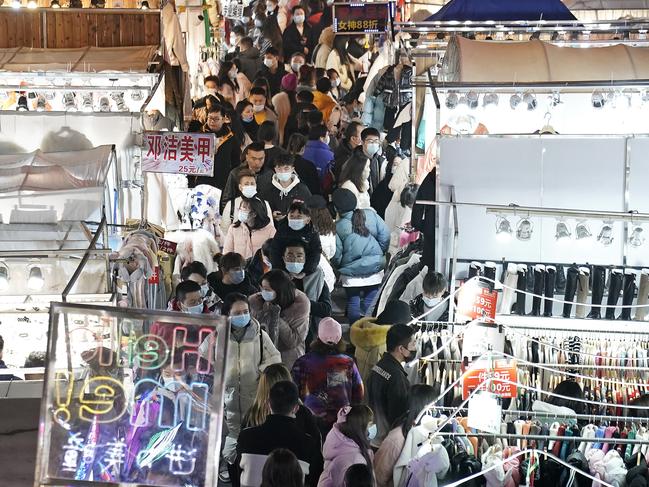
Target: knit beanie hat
344,200
316,202
395,312
289,82
329,331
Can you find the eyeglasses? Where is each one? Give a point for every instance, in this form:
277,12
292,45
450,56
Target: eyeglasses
215,120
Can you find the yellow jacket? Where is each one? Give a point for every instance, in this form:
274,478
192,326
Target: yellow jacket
369,340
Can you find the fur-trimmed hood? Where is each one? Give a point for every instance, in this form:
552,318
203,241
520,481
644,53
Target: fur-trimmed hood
366,334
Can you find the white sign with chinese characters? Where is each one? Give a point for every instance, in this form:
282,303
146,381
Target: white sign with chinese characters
179,153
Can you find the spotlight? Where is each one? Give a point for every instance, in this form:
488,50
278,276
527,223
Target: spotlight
40,103
605,236
503,229
55,4
490,99
644,96
69,102
472,100
515,100
22,104
136,95
637,237
104,104
597,99
529,99
582,231
16,4
86,104
4,277
524,229
563,232
451,100
145,5
35,281
32,4
119,101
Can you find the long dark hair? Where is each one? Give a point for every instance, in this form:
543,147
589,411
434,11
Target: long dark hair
283,286
359,226
322,221
355,428
261,215
282,469
296,143
340,46
419,396
353,171
224,75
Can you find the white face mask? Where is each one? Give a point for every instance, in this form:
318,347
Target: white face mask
268,62
243,216
336,82
298,19
372,148
232,74
205,289
258,108
210,91
296,67
431,302
249,191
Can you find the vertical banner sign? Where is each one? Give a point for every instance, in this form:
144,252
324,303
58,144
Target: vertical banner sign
361,18
179,153
477,300
132,397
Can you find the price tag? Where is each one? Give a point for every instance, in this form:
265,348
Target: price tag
503,372
485,412
167,246
480,338
155,277
477,300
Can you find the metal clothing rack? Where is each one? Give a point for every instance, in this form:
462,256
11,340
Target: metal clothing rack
512,436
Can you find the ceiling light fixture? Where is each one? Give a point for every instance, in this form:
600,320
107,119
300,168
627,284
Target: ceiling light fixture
86,104
69,102
563,232
524,229
35,281
637,236
4,277
32,4
490,99
515,101
451,100
605,236
529,99
597,99
503,229
145,5
21,106
55,4
582,231
16,4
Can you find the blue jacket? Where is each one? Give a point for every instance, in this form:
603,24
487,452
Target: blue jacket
320,155
358,256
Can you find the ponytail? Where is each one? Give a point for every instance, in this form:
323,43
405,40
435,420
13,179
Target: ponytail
358,223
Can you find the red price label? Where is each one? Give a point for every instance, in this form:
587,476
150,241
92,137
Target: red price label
167,246
155,277
477,300
502,372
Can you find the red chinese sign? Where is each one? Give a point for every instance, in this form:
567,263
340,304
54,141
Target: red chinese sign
167,246
502,372
477,301
179,153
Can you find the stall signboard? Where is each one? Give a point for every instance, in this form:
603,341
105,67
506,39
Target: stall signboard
477,300
504,372
361,18
179,153
131,397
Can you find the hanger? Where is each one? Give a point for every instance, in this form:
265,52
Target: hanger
547,128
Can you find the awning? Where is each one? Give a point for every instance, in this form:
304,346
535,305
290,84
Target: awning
87,59
468,61
482,10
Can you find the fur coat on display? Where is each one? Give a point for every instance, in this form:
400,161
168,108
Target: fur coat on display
198,245
369,340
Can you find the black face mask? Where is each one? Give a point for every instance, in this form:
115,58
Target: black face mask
411,357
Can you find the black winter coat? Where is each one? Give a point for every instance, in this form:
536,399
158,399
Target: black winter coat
228,156
285,235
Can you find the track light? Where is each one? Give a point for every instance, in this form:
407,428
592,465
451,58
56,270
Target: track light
145,5
40,103
35,281
637,237
524,229
104,104
16,4
451,100
563,232
529,99
21,106
503,229
597,99
32,4
4,277
69,102
490,99
605,236
472,100
86,104
582,231
119,101
55,4
515,100
136,95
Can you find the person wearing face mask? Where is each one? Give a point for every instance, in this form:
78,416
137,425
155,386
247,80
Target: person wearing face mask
284,311
297,226
260,263
272,70
305,170
387,384
232,277
298,36
313,284
234,86
337,91
285,187
253,159
343,61
228,153
354,177
277,14
250,351
261,112
324,47
197,272
252,229
250,126
435,291
247,189
351,140
318,152
298,60
369,150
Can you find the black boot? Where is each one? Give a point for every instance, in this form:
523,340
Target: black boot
539,283
628,293
560,284
474,269
614,290
550,277
571,289
597,287
489,271
521,286
530,278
